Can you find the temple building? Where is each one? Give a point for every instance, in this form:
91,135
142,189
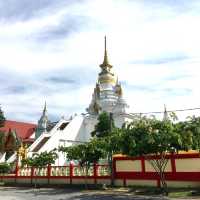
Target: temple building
24,132
13,134
107,96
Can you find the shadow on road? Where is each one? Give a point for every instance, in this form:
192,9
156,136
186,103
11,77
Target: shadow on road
114,197
75,194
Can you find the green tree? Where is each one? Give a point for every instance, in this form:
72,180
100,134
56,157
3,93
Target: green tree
185,131
152,139
112,144
41,160
2,142
86,154
104,125
109,135
190,133
2,118
2,134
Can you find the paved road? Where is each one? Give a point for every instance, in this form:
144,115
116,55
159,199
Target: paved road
11,193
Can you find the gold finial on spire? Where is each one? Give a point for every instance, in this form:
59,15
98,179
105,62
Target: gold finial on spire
105,60
105,53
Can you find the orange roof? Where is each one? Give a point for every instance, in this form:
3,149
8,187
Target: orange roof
24,130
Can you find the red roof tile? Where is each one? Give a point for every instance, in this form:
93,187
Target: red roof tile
24,130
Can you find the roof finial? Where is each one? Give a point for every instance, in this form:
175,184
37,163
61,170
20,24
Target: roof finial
165,115
105,60
45,107
105,42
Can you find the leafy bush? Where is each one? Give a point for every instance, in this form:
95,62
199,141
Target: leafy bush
5,168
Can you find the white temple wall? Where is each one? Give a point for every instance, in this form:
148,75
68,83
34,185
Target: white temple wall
68,134
120,119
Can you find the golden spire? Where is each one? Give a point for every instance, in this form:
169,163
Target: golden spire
105,60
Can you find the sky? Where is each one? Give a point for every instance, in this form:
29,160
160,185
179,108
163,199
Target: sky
51,51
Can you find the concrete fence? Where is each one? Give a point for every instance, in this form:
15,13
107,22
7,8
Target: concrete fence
52,175
182,170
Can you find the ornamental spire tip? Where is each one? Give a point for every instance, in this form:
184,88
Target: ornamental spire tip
105,60
45,107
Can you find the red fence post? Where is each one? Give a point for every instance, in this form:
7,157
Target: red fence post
114,167
32,174
71,166
48,172
173,163
95,173
143,164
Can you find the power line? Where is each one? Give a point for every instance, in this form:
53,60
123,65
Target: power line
75,141
158,112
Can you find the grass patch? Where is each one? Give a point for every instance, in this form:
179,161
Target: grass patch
2,183
173,192
144,190
180,194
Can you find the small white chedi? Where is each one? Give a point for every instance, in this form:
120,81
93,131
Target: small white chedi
107,96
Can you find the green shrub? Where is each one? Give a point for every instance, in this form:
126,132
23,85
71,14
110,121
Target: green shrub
5,168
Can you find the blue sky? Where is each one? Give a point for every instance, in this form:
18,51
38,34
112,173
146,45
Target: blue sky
51,50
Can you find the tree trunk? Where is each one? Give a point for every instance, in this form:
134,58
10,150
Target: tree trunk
85,173
159,164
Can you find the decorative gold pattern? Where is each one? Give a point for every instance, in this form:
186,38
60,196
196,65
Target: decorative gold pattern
112,81
96,108
107,78
119,90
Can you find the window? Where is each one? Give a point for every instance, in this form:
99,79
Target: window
63,125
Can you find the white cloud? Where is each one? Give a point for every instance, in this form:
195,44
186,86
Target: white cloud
154,49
